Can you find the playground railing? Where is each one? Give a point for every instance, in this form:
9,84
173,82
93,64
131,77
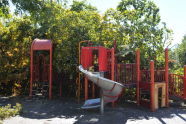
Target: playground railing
176,85
159,76
126,73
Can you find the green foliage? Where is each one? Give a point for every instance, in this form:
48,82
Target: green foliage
81,6
4,11
181,52
14,52
178,57
8,111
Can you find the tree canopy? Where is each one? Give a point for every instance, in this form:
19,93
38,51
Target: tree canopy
134,24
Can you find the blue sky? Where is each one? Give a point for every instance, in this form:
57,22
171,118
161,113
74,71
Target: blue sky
173,12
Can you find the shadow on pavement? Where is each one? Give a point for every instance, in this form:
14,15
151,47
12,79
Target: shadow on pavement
68,108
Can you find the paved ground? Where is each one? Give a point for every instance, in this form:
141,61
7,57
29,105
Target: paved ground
68,111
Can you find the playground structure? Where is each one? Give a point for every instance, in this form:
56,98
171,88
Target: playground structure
41,68
151,84
154,87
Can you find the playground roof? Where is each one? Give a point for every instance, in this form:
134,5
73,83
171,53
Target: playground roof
38,44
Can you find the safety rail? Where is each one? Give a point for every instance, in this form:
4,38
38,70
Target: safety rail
159,76
176,85
126,73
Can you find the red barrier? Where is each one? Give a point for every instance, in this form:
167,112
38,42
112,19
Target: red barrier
102,60
86,57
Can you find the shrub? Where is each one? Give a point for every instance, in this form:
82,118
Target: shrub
8,111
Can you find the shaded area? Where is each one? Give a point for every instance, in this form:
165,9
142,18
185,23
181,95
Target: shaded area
69,108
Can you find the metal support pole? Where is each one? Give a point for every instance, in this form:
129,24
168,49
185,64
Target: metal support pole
101,97
86,88
102,102
113,68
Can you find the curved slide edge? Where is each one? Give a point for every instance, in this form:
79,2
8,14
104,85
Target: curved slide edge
111,89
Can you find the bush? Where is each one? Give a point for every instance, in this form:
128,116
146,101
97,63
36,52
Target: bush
8,111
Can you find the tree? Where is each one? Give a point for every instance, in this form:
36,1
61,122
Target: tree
81,6
180,52
4,11
137,24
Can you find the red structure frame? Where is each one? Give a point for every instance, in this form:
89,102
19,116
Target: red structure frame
40,45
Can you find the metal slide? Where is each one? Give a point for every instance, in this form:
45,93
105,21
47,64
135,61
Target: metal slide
111,89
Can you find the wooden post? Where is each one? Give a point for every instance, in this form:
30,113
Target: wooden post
60,90
112,64
138,75
79,75
31,71
167,76
184,82
86,88
50,88
152,104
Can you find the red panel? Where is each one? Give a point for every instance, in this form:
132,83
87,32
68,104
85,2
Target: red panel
102,59
86,57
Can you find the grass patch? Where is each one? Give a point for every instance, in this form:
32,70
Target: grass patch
8,111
